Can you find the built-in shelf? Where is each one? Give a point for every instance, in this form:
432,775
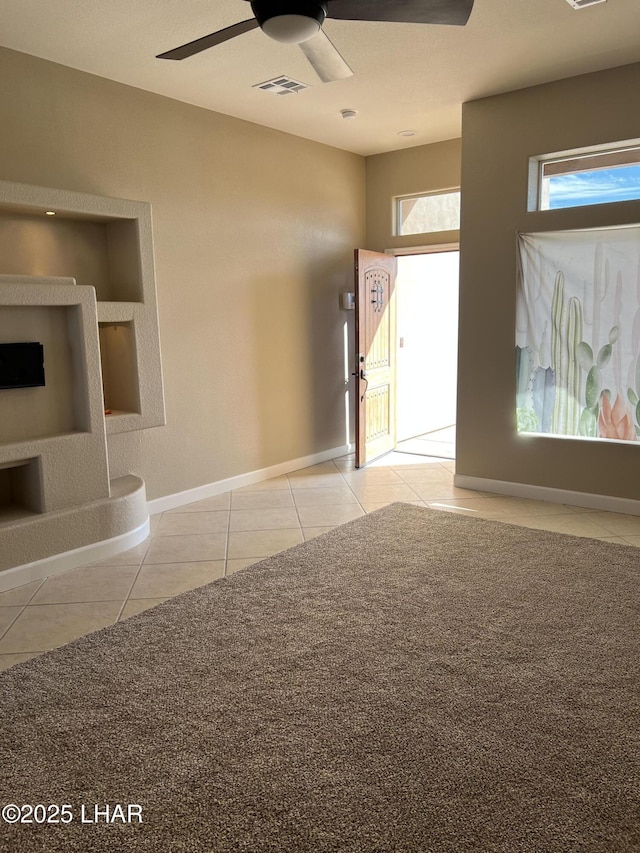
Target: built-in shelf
116,413
103,254
104,243
81,282
119,367
20,489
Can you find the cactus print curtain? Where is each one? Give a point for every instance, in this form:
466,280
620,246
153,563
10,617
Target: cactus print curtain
578,334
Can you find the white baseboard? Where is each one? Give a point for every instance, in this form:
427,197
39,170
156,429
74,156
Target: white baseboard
199,493
49,566
608,503
54,565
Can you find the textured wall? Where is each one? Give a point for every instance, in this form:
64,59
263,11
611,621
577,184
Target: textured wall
39,537
500,134
254,232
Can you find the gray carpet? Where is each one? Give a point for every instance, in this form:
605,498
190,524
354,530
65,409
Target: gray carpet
413,681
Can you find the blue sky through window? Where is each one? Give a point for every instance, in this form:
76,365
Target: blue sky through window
621,183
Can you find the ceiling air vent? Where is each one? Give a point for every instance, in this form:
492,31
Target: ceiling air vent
580,4
282,85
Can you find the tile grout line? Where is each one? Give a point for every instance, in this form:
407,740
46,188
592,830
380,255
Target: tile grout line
137,574
228,536
347,484
22,610
13,622
357,499
295,505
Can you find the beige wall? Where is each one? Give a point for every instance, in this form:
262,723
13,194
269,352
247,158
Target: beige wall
423,169
254,233
499,136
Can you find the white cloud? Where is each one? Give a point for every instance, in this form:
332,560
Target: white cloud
594,187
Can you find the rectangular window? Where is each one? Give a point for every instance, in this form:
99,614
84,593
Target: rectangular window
425,214
589,176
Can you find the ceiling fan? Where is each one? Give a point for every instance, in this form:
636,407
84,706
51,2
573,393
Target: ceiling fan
300,22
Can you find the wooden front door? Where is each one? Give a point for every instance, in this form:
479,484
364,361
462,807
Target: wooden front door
375,276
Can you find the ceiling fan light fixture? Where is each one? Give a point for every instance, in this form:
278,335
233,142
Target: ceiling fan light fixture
300,22
290,21
291,29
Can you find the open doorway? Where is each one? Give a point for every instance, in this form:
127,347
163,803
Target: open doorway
427,354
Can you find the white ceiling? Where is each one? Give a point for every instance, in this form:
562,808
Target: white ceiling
407,76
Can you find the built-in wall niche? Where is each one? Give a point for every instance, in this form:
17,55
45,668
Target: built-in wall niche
60,406
119,368
96,251
105,244
20,488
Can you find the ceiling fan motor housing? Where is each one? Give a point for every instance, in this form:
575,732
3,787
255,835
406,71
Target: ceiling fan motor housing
291,21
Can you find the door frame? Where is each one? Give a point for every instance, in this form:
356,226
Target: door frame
431,249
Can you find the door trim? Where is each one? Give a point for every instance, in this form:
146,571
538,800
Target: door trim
423,250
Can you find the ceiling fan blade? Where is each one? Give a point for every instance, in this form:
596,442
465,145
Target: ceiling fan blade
325,58
193,47
402,11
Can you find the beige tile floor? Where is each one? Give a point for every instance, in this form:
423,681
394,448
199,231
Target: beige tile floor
194,544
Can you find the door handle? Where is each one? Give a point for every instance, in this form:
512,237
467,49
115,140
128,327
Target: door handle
362,375
364,378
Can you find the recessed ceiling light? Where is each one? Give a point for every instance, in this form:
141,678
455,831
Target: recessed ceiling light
348,113
406,133
50,212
